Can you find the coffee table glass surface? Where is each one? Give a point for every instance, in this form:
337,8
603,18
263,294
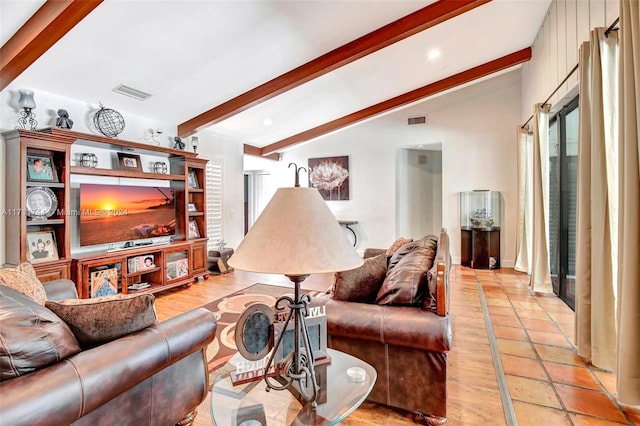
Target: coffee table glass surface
249,404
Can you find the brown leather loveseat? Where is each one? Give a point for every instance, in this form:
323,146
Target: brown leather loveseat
403,328
154,376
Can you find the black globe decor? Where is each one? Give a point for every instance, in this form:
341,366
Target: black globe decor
108,121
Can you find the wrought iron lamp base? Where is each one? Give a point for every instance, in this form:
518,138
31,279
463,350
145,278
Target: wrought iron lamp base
296,372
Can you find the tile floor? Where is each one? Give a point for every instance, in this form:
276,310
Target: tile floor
548,382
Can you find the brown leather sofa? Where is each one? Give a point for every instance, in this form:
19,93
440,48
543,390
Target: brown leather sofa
407,345
155,376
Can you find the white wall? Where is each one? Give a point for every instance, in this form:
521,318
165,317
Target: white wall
476,128
213,145
137,128
555,50
418,191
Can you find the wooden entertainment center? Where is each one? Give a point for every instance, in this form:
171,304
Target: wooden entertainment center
170,264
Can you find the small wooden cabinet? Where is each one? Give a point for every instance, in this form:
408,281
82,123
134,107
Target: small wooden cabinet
142,269
178,263
480,248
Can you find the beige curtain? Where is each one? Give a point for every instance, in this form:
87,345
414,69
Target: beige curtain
524,238
629,202
596,252
540,280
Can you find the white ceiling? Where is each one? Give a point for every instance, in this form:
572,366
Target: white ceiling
194,55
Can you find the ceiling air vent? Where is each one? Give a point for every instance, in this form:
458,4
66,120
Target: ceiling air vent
417,120
131,92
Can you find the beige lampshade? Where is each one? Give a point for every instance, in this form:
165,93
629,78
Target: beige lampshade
296,234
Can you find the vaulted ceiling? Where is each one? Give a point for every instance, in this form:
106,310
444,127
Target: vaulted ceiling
271,74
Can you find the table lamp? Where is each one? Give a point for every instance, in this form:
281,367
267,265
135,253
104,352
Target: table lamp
296,235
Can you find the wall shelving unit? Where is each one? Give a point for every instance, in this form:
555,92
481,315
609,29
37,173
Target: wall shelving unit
56,144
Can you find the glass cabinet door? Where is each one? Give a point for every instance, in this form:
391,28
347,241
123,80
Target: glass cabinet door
563,189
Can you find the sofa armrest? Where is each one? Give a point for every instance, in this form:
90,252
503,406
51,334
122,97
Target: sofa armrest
82,383
60,289
405,326
442,266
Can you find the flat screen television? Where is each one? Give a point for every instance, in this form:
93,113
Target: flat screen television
117,213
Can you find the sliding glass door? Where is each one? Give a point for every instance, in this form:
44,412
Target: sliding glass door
563,189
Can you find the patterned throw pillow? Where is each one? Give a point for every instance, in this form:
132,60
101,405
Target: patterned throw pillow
102,319
23,278
397,244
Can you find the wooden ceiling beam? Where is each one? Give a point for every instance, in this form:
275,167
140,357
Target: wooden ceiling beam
400,29
48,25
257,152
415,95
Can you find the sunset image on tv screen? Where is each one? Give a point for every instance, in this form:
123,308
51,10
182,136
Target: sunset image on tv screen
113,213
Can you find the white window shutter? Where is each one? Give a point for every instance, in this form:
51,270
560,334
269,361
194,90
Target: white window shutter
214,172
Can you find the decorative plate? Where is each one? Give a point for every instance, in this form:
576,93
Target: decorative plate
254,331
41,203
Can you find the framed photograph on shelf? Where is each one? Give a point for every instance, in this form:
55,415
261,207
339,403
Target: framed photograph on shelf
172,270
192,207
129,161
193,179
40,168
182,267
41,247
104,282
194,232
41,202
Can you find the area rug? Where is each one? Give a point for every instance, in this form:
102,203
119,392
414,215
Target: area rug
227,311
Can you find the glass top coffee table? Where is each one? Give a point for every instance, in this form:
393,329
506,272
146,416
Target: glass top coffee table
249,404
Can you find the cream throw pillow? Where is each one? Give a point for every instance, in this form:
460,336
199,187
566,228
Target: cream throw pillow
23,278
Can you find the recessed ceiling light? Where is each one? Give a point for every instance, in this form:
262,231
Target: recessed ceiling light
267,122
433,54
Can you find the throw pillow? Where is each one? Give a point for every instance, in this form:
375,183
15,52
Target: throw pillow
397,244
24,279
31,336
100,320
406,281
361,284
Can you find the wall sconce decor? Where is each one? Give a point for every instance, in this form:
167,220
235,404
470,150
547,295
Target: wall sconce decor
160,167
27,117
88,160
194,143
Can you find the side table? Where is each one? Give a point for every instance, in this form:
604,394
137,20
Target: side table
234,404
218,260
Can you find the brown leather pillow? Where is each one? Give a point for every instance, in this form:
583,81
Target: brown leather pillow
31,336
406,281
361,284
100,320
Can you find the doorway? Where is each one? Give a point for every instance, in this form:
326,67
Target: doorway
258,190
419,191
